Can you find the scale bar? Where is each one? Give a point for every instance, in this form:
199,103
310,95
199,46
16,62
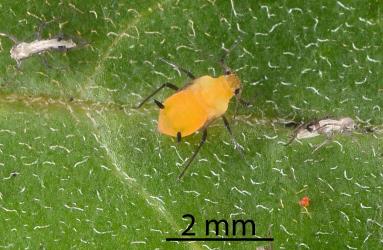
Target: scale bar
219,239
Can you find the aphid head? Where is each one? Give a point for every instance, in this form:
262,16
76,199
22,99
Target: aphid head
234,83
20,51
231,78
348,124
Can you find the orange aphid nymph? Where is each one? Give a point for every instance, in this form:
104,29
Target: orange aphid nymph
193,107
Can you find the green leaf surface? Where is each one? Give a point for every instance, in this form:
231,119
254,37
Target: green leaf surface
81,168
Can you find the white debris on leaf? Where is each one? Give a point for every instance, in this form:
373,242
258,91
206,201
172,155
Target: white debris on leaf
23,50
326,127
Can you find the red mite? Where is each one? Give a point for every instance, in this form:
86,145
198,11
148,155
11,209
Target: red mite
304,202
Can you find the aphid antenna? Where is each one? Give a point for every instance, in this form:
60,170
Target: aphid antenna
12,38
226,68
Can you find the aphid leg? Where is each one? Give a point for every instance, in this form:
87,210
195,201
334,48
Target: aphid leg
62,48
159,104
239,100
179,137
295,133
291,140
168,84
45,61
293,136
235,109
244,103
187,72
39,32
41,28
237,146
18,65
187,164
12,38
60,36
227,125
327,141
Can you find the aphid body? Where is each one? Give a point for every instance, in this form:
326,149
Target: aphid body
24,50
325,126
197,105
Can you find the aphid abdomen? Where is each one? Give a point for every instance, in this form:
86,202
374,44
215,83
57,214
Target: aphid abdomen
182,113
214,94
24,50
